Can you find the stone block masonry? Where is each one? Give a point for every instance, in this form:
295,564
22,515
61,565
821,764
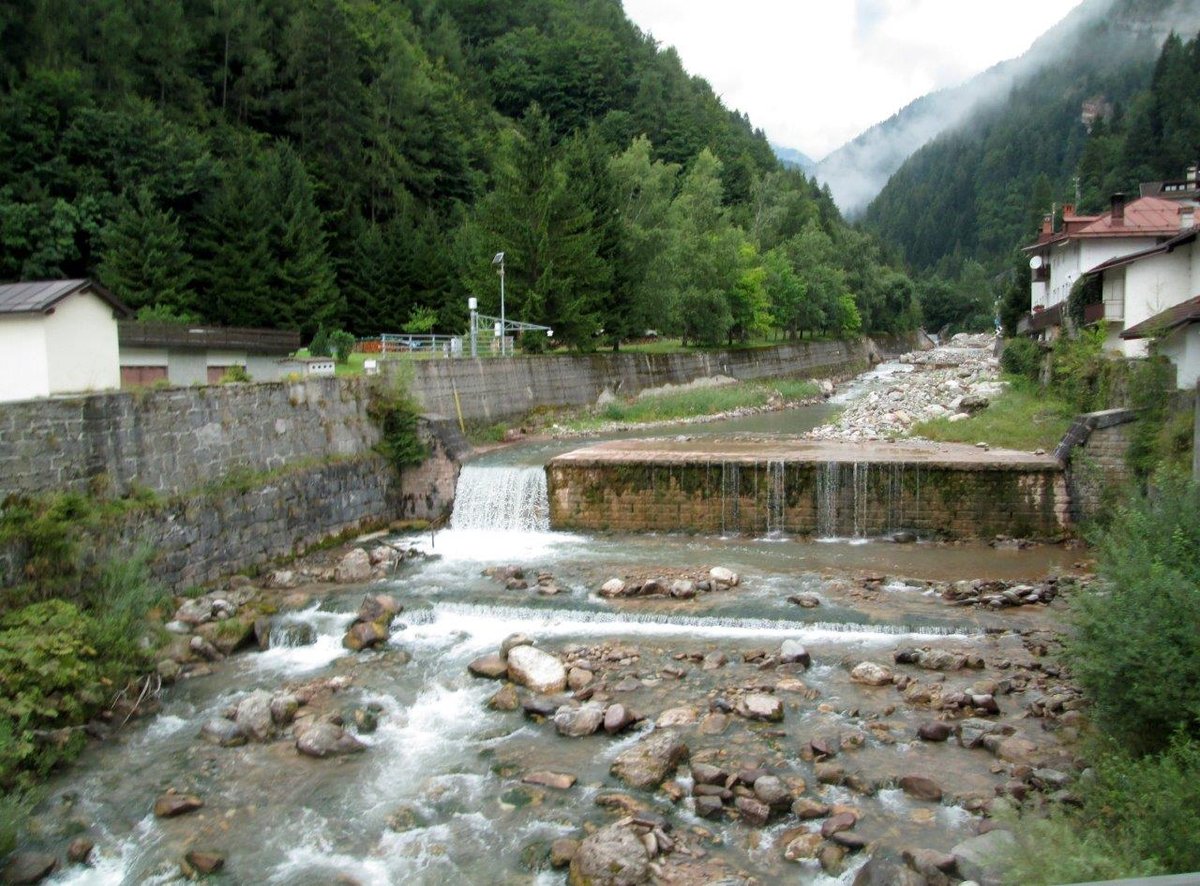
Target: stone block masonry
801,488
491,390
1094,450
175,440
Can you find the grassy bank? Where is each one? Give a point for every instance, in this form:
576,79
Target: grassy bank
691,403
1023,417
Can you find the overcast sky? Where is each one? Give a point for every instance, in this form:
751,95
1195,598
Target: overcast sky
815,74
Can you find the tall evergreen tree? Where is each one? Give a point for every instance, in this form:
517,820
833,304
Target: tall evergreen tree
143,260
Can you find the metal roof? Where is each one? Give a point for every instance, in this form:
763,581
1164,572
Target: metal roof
277,342
39,296
1181,314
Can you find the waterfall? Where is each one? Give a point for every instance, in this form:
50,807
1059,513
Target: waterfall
501,498
828,488
731,484
776,498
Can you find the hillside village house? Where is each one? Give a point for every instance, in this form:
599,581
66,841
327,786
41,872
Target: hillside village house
181,354
1141,253
58,337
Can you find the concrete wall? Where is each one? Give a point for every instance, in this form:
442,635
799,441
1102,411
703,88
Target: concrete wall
804,498
24,372
490,390
81,345
1093,451
176,440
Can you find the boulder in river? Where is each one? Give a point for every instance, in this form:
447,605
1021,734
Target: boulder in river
222,732
793,652
613,856
617,717
353,568
646,764
512,641
614,587
28,867
577,722
984,858
722,577
538,670
327,740
760,706
491,667
871,674
170,805
921,787
254,716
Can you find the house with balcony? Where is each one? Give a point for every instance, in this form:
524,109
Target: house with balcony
1061,257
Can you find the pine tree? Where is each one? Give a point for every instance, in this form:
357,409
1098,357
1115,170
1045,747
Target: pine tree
143,260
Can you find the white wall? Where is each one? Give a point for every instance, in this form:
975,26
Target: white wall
143,357
81,345
1182,347
24,372
1069,260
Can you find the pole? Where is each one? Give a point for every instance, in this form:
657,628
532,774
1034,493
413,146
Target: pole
503,326
474,321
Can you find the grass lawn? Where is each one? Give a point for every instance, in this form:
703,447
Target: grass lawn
1024,417
692,403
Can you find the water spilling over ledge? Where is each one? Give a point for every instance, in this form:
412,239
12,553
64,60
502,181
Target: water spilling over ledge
804,487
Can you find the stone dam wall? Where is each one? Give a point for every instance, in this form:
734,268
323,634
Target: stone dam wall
490,390
802,496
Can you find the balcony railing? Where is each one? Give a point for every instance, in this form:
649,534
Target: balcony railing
1110,311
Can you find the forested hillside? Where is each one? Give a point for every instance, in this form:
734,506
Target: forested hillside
978,191
357,163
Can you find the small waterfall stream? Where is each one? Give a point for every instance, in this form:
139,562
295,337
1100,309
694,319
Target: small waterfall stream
501,497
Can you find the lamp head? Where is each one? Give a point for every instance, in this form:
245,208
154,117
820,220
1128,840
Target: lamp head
498,261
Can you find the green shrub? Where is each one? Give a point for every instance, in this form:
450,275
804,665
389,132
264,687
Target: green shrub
1022,356
397,415
1140,817
1136,653
320,345
235,374
342,343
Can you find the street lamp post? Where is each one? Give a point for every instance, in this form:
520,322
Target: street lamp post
473,306
498,263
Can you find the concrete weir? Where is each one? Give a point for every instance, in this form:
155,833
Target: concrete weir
807,487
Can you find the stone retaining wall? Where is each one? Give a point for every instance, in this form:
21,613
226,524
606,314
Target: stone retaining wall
755,498
1093,451
490,390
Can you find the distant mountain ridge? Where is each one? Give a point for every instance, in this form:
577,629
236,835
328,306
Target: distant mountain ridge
794,159
858,171
978,188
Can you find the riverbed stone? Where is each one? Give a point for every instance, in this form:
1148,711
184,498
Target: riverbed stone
577,722
617,717
842,821
972,731
935,730
560,781
793,652
871,674
578,678
562,851
222,732
505,699
283,708
203,861
647,763
677,717
170,805
805,601
512,641
365,634
803,846
353,568
327,740
379,607
538,670
613,856
683,589
753,812
921,787
614,587
28,867
254,716
806,808
984,858
80,849
771,790
491,667
760,706
721,576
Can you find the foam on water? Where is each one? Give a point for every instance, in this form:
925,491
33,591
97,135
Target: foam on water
330,628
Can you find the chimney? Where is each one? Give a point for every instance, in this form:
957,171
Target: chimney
1068,209
1047,223
1118,209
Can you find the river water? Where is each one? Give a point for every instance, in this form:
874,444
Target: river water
437,797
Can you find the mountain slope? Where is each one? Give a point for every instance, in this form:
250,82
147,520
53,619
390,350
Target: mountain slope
793,159
971,191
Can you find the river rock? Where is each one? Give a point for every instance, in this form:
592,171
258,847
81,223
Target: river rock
28,867
984,858
204,862
921,787
935,730
327,740
353,568
843,821
614,587
364,635
170,805
379,607
505,699
706,773
560,781
871,674
205,649
168,670
802,847
283,708
940,660
512,641
722,577
760,706
222,732
577,722
793,652
254,716
538,670
806,809
754,812
491,667
677,717
613,856
805,601
683,589
578,678
771,790
709,807
79,850
972,731
646,764
616,718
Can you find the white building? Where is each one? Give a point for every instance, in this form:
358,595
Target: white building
182,354
1175,334
57,337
